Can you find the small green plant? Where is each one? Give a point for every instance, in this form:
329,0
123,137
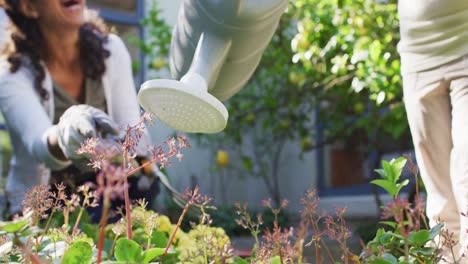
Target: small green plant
144,236
404,239
390,173
408,238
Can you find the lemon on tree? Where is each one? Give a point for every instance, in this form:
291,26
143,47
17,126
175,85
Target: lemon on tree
222,158
158,63
296,78
300,42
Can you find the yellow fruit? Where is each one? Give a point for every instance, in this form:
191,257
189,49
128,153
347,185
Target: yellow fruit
158,63
284,124
296,78
222,158
293,77
306,143
301,77
303,43
359,107
250,118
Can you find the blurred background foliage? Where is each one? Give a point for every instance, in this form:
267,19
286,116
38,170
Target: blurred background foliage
331,68
330,74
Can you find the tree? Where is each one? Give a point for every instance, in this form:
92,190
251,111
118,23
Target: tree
331,63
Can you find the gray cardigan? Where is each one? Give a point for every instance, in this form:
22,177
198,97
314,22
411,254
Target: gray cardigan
28,119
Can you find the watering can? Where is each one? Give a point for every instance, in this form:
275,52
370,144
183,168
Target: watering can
216,46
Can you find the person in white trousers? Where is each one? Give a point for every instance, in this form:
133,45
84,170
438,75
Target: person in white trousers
434,65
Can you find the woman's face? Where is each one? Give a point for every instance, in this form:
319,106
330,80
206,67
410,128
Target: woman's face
61,13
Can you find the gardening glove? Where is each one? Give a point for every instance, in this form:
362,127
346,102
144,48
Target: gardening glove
79,123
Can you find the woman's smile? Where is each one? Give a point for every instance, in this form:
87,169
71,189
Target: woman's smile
72,6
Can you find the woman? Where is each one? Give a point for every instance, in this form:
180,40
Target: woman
434,56
64,79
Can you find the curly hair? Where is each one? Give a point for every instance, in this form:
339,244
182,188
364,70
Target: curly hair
26,42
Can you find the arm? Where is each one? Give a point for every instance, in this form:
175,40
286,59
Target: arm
27,119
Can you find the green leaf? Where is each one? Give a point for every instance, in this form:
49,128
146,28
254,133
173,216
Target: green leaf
381,261
387,185
375,49
240,260
380,232
17,225
425,251
382,173
79,253
390,258
389,223
385,239
388,171
91,231
275,260
401,185
13,227
420,237
398,165
435,231
127,250
151,254
159,239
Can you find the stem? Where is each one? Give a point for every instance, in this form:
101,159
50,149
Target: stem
300,250
317,254
46,227
66,215
34,258
128,207
102,228
78,219
128,212
113,246
278,240
316,229
345,252
255,235
148,241
280,252
135,170
328,251
412,255
182,215
453,255
406,250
